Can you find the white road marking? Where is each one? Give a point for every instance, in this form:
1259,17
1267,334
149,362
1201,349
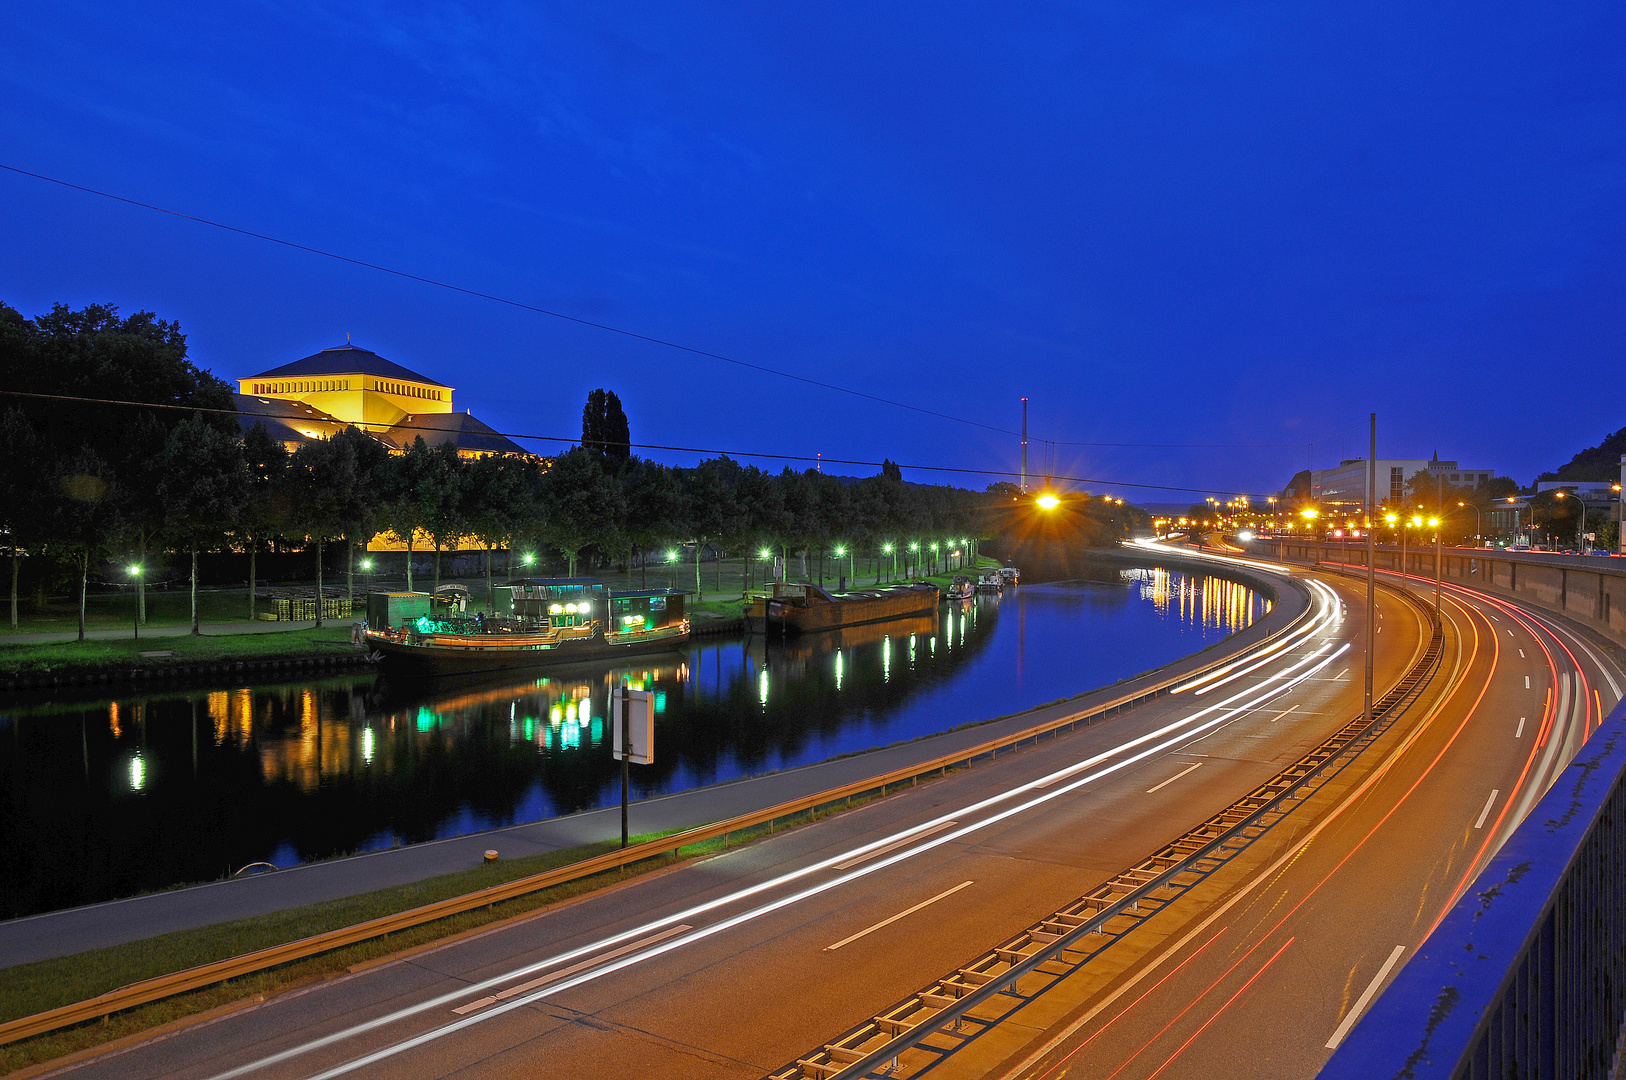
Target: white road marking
895,918
1510,633
1292,675
918,834
554,976
1521,654
1341,674
1527,682
1173,778
1490,802
1281,714
1494,617
1365,998
1520,732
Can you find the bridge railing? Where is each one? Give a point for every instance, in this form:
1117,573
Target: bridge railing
1526,976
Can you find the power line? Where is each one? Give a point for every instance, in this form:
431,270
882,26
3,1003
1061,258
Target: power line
613,329
505,300
640,446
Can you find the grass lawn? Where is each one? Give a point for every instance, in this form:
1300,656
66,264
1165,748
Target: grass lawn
126,652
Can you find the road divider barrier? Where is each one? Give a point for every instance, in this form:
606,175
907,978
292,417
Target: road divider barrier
956,1008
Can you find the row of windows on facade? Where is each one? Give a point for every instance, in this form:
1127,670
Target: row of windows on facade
316,386
1397,480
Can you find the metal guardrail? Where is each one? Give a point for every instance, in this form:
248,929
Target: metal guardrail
1062,942
1525,978
197,978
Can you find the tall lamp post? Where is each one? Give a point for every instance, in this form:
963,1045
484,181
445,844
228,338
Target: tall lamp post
1580,518
1309,514
135,579
1438,552
1477,527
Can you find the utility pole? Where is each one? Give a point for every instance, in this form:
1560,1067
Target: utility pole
1371,569
1439,535
1024,446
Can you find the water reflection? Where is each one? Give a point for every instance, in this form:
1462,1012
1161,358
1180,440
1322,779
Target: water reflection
103,799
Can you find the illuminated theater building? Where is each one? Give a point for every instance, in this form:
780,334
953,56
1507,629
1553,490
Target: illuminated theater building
318,396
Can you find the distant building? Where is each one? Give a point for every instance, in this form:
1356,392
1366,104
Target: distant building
315,397
1346,484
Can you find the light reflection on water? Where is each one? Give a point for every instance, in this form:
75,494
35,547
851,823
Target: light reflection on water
105,799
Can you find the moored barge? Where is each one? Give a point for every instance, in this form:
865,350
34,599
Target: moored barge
797,608
540,623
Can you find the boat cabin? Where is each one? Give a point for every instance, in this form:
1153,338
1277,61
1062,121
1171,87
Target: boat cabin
636,610
560,603
567,603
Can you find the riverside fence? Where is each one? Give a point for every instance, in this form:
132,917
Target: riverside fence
1525,978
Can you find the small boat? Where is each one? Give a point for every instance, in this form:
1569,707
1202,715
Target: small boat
1010,575
796,608
553,622
989,581
962,589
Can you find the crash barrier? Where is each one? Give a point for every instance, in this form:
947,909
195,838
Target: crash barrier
1525,978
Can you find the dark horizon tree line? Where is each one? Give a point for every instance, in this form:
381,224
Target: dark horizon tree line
84,481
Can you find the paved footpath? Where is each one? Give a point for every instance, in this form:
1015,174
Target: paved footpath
61,933
209,630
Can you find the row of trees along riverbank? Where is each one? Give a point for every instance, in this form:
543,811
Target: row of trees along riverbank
83,484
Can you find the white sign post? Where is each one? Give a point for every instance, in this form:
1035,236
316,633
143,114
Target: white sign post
632,723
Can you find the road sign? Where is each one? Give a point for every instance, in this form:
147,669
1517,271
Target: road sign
638,720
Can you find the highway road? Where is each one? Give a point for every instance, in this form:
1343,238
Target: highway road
737,964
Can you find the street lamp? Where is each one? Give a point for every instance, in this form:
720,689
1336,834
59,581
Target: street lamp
1580,519
1477,528
135,576
1434,523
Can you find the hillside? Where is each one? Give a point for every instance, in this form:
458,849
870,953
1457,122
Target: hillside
1601,462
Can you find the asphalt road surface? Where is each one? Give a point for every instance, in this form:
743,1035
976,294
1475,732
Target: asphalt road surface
739,963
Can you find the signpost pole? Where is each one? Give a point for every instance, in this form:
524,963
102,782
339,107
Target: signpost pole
626,753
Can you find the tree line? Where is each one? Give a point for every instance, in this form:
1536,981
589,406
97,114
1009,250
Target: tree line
83,482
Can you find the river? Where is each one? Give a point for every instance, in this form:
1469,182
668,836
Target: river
113,796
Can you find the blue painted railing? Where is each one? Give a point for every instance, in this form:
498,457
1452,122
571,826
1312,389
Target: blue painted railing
1525,979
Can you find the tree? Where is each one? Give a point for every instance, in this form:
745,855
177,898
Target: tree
202,480
321,481
264,506
85,514
22,494
359,506
403,507
580,504
498,491
604,427
655,510
443,499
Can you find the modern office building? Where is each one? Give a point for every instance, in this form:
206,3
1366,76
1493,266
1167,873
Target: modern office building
1346,484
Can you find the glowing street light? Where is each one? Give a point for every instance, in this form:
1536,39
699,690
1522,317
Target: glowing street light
135,576
527,558
1047,500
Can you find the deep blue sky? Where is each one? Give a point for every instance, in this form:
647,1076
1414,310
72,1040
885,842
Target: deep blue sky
1162,222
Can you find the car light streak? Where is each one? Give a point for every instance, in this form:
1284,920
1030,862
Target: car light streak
1178,730
769,907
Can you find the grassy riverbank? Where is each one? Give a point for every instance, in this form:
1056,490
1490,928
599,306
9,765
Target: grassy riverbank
125,654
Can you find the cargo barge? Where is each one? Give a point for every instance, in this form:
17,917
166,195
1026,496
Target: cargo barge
538,623
795,608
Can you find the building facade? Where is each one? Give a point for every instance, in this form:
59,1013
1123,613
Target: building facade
317,396
1345,485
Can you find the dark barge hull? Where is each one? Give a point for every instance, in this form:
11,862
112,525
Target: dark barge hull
782,616
402,658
